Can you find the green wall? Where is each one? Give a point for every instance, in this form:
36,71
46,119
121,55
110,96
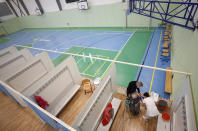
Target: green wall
184,58
112,15
11,26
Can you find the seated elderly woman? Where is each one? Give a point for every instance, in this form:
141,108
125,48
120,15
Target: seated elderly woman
151,108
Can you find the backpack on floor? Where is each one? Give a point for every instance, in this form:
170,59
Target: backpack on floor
134,106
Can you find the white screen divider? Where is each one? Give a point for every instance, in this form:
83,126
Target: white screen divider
43,113
182,110
7,52
14,62
32,71
90,116
57,87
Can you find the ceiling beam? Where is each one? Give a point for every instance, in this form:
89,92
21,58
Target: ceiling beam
24,7
59,5
39,6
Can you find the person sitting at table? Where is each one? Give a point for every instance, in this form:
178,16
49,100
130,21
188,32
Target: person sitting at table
132,87
151,108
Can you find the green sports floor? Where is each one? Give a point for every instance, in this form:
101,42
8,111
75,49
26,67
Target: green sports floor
133,51
133,43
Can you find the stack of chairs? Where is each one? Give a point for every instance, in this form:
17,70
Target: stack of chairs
165,50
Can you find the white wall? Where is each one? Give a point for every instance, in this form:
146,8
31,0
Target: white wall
51,5
184,91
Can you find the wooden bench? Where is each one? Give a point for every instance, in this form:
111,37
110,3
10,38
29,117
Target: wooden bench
7,52
168,82
165,50
58,86
166,44
90,117
165,54
14,62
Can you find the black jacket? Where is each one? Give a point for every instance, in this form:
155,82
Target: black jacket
132,88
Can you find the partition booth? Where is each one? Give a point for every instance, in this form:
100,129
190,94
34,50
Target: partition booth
7,52
36,76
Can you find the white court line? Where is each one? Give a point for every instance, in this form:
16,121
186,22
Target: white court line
79,60
127,42
48,35
96,48
92,55
116,57
63,48
85,36
44,40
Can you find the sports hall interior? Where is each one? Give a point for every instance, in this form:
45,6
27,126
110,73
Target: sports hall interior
51,49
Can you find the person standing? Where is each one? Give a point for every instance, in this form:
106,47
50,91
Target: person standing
133,87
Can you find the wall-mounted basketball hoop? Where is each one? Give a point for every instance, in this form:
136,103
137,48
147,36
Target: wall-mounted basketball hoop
82,5
38,12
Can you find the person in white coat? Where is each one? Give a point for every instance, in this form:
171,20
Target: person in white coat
151,108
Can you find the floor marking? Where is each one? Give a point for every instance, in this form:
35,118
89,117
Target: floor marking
116,57
52,34
97,71
123,47
63,56
84,71
44,40
97,48
155,63
90,64
100,68
35,39
87,36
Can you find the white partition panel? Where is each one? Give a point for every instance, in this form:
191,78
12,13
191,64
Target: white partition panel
31,72
182,110
14,62
72,66
58,86
7,52
90,116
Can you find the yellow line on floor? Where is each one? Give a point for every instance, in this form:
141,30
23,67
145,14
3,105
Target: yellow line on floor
97,71
116,57
87,74
155,63
99,68
90,64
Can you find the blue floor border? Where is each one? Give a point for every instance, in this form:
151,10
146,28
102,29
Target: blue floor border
144,57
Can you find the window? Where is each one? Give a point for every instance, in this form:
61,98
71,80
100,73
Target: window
70,1
4,9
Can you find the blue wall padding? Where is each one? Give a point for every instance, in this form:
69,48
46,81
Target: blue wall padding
43,116
62,127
